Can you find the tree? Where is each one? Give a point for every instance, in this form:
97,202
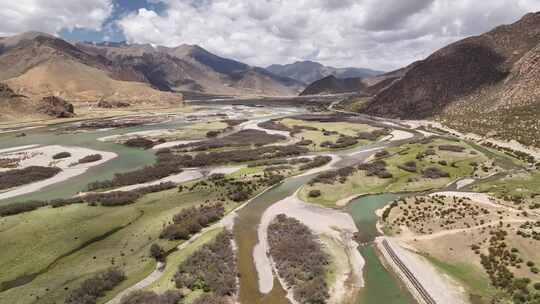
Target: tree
157,252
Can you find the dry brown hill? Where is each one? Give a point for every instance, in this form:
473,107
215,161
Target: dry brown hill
192,68
486,84
39,65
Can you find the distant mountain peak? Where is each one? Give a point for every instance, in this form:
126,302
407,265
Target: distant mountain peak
308,71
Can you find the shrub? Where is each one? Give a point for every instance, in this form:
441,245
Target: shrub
318,161
377,168
139,142
95,287
156,252
217,256
19,177
115,198
434,172
409,166
212,134
90,158
61,202
150,297
191,220
61,155
314,193
382,153
305,142
328,177
452,148
211,299
241,138
16,208
139,176
387,211
300,259
341,143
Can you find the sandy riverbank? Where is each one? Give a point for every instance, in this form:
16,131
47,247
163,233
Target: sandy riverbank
42,156
439,286
253,125
2,151
396,135
335,224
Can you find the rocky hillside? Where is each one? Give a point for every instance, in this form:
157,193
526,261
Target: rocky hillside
38,65
192,68
333,85
486,84
14,105
308,72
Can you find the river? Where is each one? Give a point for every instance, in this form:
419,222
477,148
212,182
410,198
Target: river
381,286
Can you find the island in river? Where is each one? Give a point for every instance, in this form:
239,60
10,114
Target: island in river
378,211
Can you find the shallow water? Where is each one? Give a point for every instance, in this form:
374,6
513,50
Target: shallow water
128,158
381,286
245,230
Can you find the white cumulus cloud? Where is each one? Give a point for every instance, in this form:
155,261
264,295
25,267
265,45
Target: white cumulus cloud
51,16
382,34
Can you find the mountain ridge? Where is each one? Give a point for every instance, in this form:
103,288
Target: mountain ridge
192,68
311,71
160,69
487,84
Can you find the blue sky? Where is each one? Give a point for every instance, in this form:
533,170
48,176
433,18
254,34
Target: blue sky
111,31
377,34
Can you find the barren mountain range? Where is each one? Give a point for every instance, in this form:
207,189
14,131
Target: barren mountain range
487,84
192,68
309,71
34,65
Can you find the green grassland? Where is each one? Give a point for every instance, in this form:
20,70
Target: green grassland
458,166
516,187
72,243
192,132
127,248
345,128
474,279
87,240
318,136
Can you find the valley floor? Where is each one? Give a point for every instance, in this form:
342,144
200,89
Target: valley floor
453,187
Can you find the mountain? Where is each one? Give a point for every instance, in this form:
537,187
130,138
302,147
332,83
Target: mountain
12,104
37,65
332,85
194,69
489,84
309,71
366,86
